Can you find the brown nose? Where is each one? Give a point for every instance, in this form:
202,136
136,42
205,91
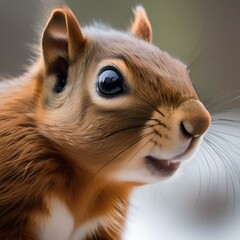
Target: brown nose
196,119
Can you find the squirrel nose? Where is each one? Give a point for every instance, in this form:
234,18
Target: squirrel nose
196,119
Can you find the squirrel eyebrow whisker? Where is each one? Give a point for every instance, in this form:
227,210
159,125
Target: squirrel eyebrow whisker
194,50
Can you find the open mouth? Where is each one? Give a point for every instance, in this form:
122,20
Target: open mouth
169,166
162,166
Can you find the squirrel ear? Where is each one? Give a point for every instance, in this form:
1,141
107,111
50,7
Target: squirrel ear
62,37
141,27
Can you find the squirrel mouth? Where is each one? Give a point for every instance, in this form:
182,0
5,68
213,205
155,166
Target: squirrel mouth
167,167
163,166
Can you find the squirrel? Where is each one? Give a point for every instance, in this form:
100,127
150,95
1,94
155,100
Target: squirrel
100,112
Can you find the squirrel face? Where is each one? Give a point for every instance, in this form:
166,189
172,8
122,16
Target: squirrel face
113,103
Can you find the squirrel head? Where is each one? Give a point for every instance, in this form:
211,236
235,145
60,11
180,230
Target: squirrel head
114,104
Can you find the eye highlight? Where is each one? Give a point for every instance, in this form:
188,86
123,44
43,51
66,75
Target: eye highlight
110,82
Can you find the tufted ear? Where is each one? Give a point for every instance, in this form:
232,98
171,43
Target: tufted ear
141,27
62,41
62,36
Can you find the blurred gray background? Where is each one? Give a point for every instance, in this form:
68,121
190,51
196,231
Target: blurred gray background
176,24
204,35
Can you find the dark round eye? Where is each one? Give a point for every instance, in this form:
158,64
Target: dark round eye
110,82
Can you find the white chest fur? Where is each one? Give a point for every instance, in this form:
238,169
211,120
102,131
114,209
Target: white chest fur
60,225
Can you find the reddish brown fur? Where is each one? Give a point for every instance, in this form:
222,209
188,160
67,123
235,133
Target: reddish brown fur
141,26
33,170
49,150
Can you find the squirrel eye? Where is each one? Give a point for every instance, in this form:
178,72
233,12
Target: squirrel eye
110,82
